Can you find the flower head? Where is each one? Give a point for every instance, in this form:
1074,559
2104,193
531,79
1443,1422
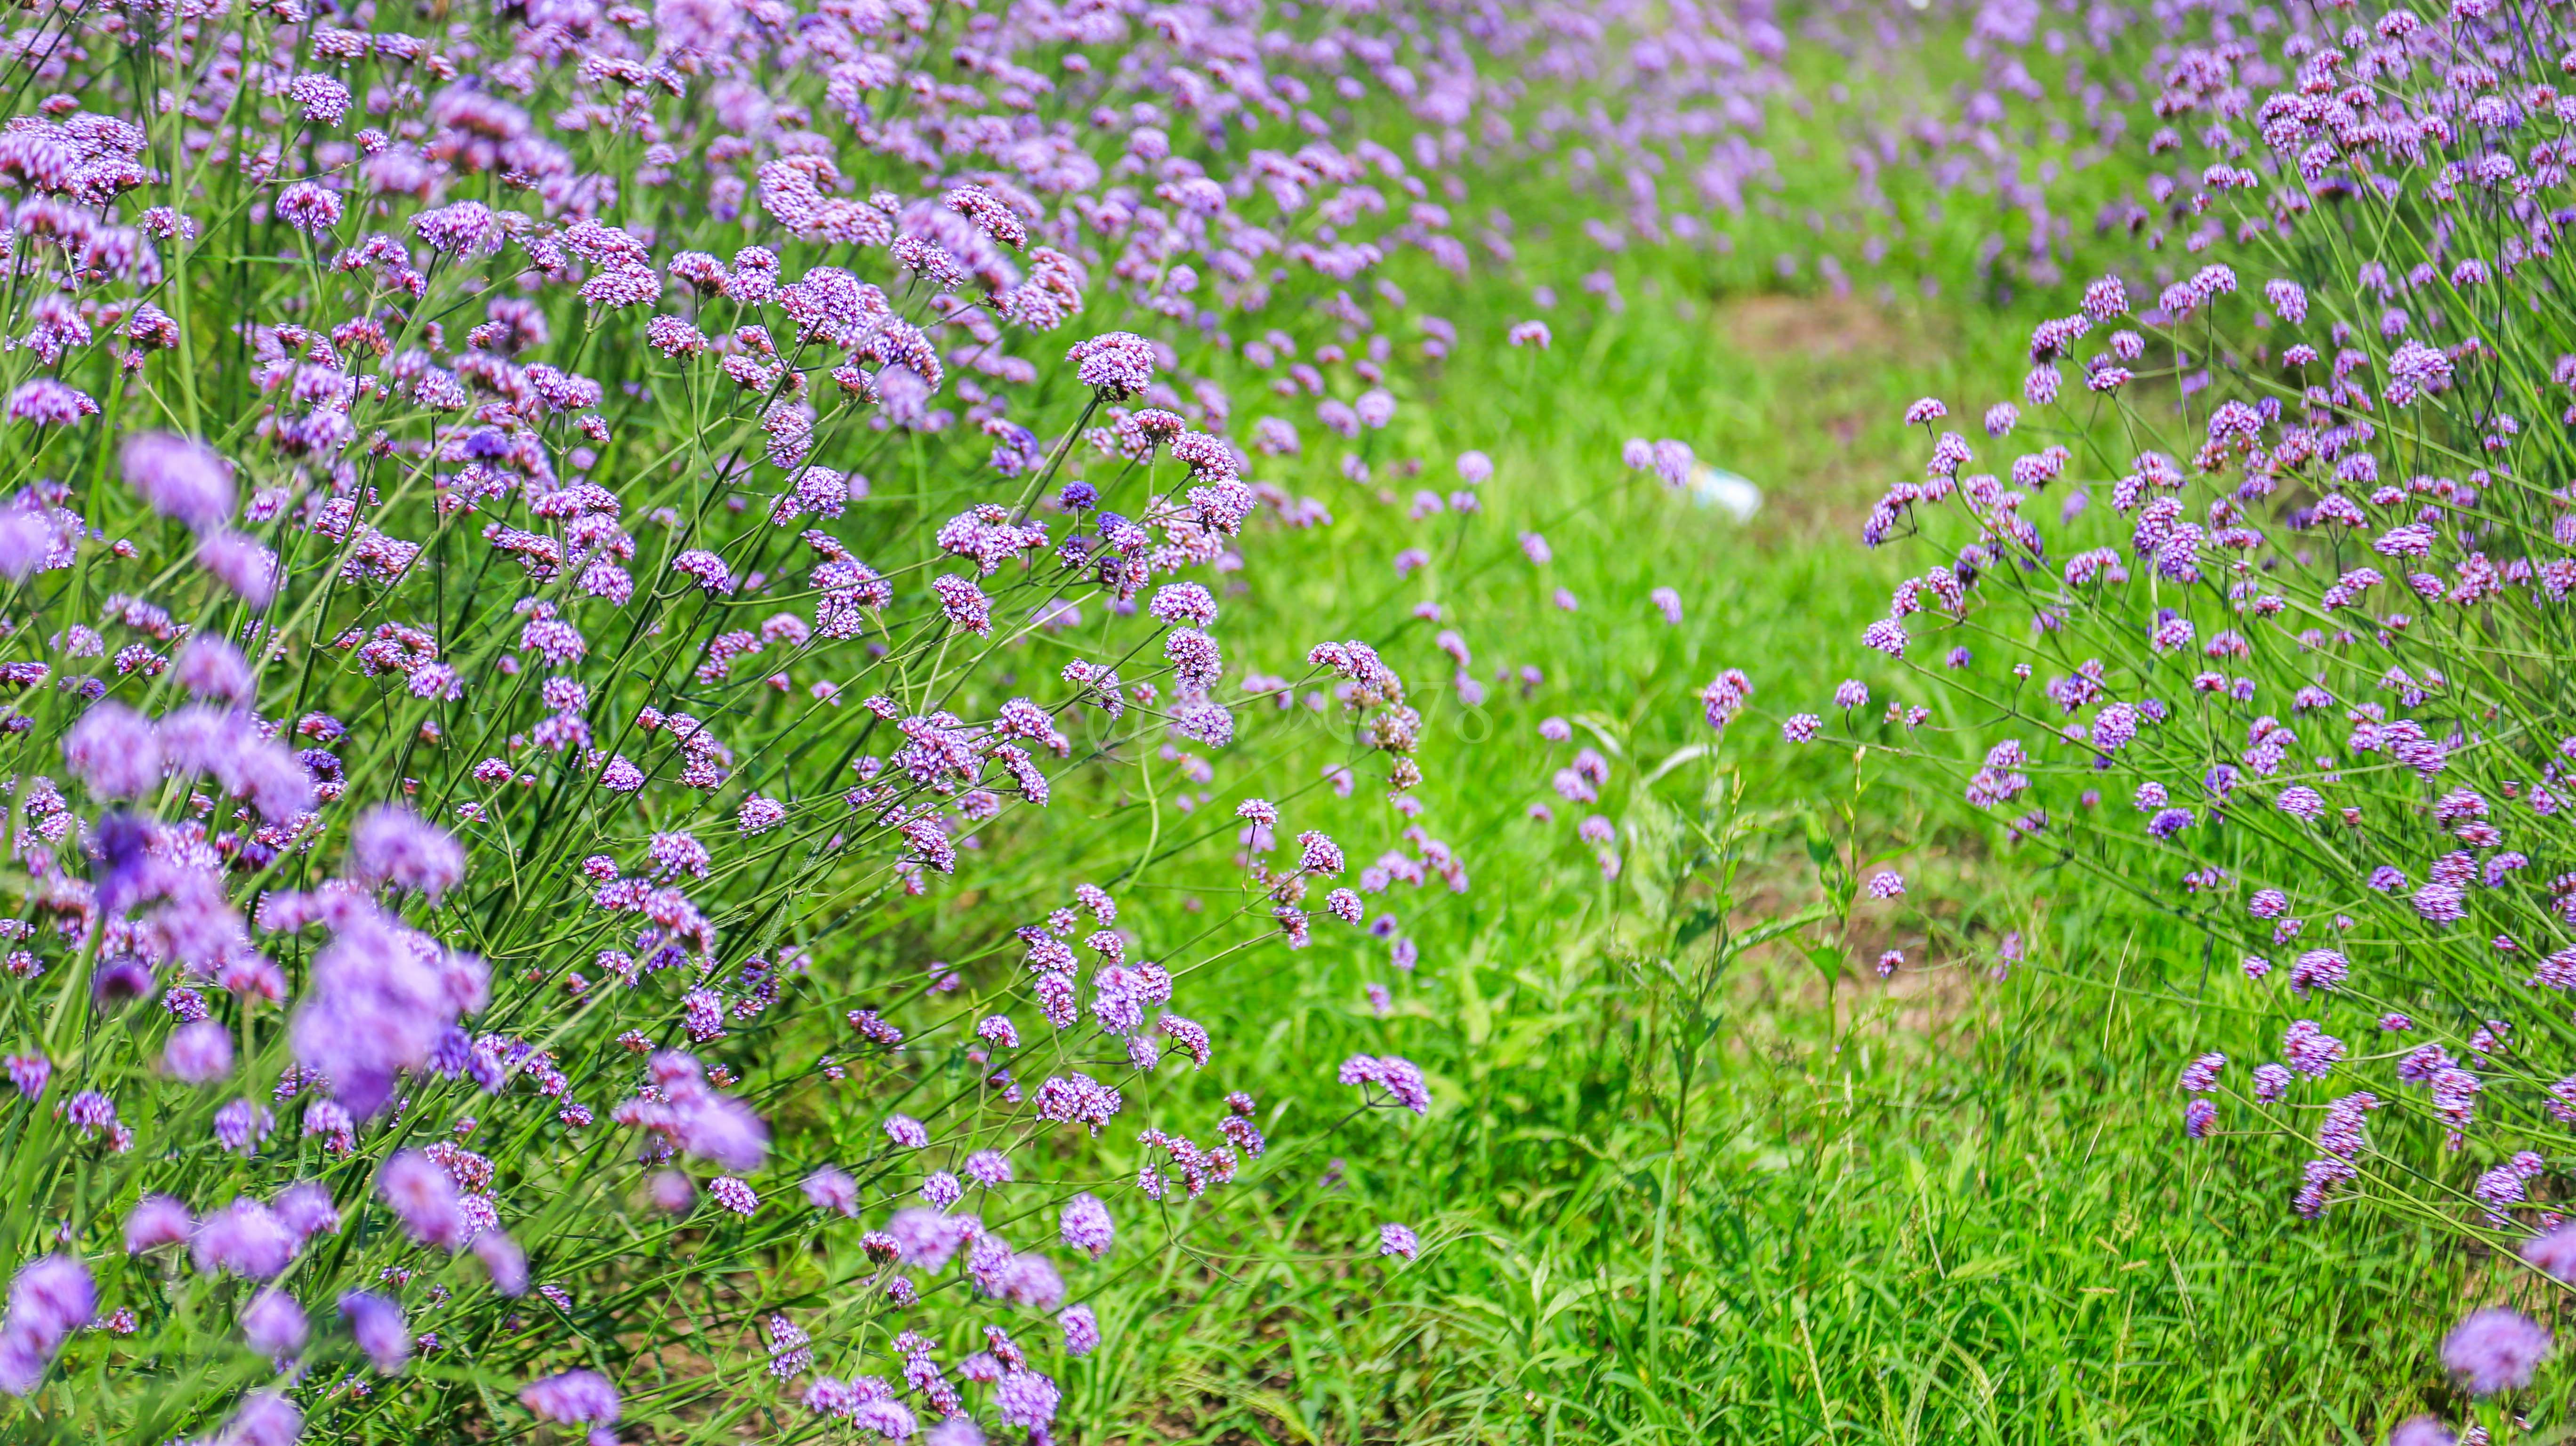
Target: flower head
2496,1349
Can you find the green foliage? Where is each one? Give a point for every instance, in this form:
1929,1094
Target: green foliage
1696,1174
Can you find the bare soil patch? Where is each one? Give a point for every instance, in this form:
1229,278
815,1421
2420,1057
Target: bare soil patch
1816,327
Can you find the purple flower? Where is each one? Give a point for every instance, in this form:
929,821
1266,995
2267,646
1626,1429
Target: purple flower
179,477
47,402
157,1220
307,1209
697,1120
240,564
672,1192
1398,1242
2414,369
1724,697
2554,1254
424,1197
378,1325
575,1397
926,1239
1031,1280
2319,969
2199,1117
237,1122
90,1112
791,1350
2201,1075
1081,1330
2310,1050
324,100
2346,1118
2169,821
265,1418
393,845
868,1404
714,578
381,999
308,208
27,539
462,229
1400,1078
244,1238
1318,854
113,749
274,1325
2420,1430
1026,1398
2495,1350
503,1261
2441,901
941,1189
1085,1226
49,1298
209,667
1077,1098
2316,1189
199,1053
1118,363
831,1189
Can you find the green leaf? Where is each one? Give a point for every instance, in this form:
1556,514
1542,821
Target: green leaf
1472,1012
1654,854
1696,924
1985,1265
1676,759
1765,933
1604,729
1648,1184
1830,869
1820,840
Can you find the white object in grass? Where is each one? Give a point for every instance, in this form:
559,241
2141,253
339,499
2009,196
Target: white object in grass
1719,488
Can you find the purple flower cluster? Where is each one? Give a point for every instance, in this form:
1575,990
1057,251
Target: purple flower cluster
1395,1080
430,764
2245,599
49,1298
700,478
2494,1350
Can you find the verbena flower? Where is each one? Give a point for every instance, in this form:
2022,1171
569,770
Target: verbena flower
2494,1350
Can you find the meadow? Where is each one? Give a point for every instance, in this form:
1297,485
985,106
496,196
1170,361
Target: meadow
1357,819
1687,1185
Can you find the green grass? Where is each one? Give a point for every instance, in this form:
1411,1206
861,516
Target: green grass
1941,1209
1663,1200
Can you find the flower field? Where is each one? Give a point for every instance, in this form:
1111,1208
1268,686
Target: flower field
1250,721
